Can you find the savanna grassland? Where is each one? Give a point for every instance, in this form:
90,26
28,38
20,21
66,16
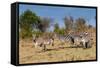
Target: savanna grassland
57,53
32,25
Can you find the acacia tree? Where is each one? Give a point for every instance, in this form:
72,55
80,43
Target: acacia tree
27,21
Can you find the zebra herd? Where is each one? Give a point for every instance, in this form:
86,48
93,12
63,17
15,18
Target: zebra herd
80,39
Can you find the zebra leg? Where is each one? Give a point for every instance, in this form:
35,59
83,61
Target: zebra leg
88,45
52,44
84,44
44,47
35,45
81,43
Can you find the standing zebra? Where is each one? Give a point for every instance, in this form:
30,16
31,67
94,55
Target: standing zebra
41,42
81,39
86,42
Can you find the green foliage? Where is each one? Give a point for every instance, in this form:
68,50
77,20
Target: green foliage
59,30
27,21
25,33
56,28
62,31
28,18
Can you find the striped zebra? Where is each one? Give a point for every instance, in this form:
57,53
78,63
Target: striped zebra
81,39
41,42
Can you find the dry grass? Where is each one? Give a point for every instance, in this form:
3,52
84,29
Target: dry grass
57,53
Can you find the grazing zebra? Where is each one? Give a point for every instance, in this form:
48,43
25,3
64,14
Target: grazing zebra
41,42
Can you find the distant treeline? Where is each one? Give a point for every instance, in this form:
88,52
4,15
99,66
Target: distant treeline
31,24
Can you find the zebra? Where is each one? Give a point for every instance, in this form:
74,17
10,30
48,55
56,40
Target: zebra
81,39
41,42
86,42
